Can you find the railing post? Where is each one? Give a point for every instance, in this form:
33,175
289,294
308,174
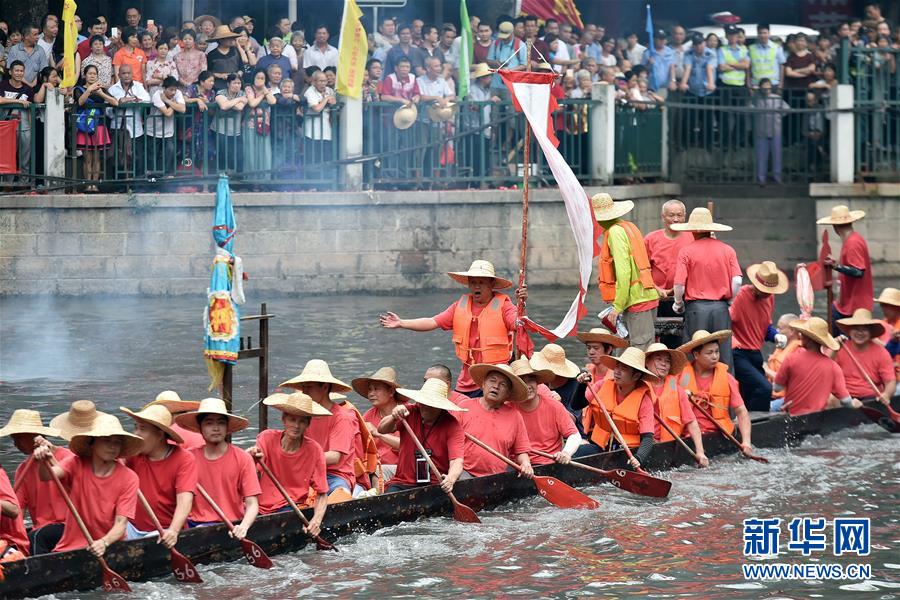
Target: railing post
664,140
351,142
603,132
54,150
843,131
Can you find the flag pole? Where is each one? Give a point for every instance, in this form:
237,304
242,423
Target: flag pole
526,171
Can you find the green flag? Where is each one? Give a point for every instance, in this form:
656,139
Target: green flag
465,50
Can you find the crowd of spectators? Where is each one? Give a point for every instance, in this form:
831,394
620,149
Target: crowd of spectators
242,73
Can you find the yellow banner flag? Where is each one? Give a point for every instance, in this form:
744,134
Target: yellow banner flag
352,52
70,36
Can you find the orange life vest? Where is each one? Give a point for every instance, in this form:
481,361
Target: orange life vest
496,340
717,399
777,358
587,415
624,415
366,461
607,270
669,409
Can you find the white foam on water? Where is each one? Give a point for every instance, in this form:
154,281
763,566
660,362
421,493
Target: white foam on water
707,515
688,542
892,566
742,586
544,574
864,586
683,525
659,577
508,567
423,582
604,584
893,585
606,540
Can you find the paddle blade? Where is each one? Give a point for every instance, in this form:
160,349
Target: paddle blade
879,418
564,496
112,581
323,544
183,569
757,458
255,555
640,483
464,514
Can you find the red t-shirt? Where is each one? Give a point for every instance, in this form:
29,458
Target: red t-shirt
297,472
12,530
337,433
808,378
705,267
444,438
228,480
662,253
444,320
480,53
735,400
856,292
41,499
192,439
386,454
99,500
874,359
750,317
161,481
502,429
547,426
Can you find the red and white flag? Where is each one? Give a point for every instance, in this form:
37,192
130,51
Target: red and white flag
531,96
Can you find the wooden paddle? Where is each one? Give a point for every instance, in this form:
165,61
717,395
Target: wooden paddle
321,544
183,569
725,432
255,555
894,415
554,490
676,436
630,481
112,581
461,512
615,430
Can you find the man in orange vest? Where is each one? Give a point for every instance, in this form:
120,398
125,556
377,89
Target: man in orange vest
709,383
672,404
600,342
482,321
625,278
628,399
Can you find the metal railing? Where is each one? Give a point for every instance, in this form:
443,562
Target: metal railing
876,83
639,140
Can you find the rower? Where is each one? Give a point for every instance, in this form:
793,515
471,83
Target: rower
103,490
552,357
337,433
225,471
787,341
483,321
707,277
663,246
709,383
624,277
490,419
442,372
599,342
863,331
427,413
40,498
854,266
380,389
751,318
167,472
547,421
297,461
889,300
672,404
13,537
175,405
808,377
628,398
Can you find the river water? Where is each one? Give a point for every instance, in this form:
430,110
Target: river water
123,351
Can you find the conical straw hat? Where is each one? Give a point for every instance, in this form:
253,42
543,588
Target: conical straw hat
841,215
298,404
80,417
702,337
552,357
480,70
889,296
158,416
768,278
700,220
601,335
434,393
405,116
222,32
518,390
816,329
605,209
211,406
317,371
678,359
630,357
385,375
105,426
480,268
440,114
862,318
522,367
24,420
173,402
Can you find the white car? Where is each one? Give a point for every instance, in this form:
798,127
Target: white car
775,31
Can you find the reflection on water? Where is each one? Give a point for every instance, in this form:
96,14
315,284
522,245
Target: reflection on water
123,351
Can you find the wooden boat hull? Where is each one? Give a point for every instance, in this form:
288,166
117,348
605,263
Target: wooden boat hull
140,560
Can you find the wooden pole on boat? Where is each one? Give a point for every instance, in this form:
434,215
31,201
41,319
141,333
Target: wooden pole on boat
526,171
828,279
724,431
183,569
895,416
676,436
263,368
252,551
